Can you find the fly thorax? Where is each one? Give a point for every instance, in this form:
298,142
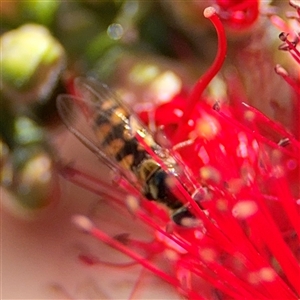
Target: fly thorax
146,169
158,188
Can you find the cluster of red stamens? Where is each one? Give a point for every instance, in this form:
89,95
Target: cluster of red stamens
244,242
290,39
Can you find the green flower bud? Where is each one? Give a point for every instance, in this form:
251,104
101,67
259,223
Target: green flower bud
28,177
31,63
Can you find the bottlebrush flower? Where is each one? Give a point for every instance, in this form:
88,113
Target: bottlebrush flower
238,173
238,15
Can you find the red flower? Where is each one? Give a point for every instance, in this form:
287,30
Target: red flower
238,173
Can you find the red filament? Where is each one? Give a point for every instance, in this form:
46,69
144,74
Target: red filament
203,82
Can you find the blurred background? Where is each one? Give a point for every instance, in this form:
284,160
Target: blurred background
151,51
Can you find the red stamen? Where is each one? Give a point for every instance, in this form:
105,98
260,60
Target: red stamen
92,260
85,224
290,46
279,23
203,82
136,285
285,75
263,226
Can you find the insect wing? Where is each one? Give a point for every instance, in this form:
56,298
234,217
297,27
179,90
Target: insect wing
103,124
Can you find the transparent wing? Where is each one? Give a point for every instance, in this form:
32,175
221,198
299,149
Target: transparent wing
98,118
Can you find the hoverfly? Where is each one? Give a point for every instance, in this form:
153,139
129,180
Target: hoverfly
120,141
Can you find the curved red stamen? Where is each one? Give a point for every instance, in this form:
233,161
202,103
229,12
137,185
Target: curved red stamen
285,75
204,80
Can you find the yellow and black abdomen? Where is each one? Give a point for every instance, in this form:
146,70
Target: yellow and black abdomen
112,128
